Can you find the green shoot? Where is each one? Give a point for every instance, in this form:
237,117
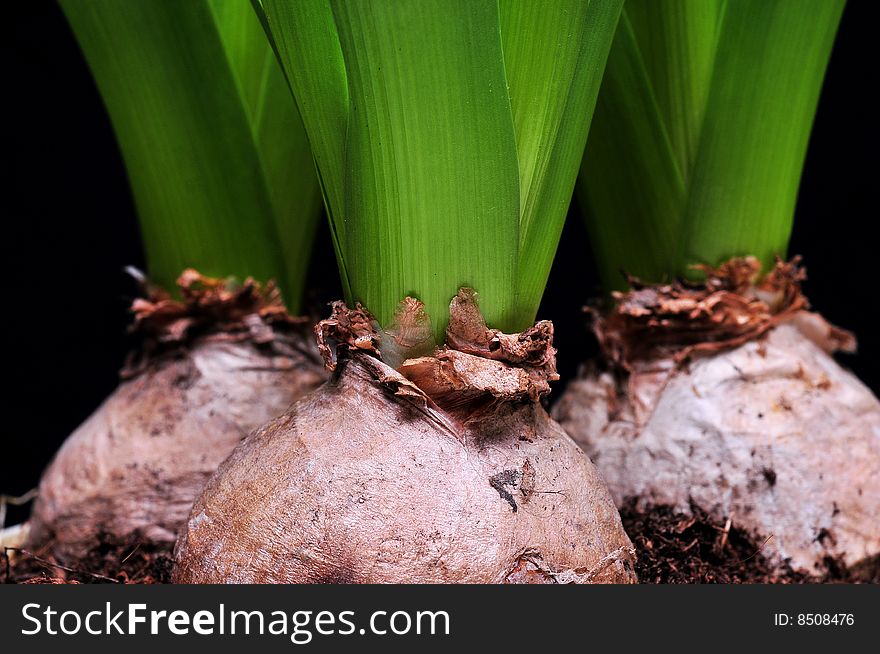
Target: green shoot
701,130
447,134
217,158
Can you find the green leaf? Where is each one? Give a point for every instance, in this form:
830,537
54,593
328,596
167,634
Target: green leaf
431,172
631,183
278,134
554,55
215,152
303,33
406,109
448,134
701,130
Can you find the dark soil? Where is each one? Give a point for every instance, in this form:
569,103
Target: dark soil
671,547
675,548
133,561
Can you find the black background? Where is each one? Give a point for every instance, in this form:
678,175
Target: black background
71,229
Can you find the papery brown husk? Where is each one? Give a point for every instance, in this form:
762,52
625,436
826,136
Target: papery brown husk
211,368
446,470
725,396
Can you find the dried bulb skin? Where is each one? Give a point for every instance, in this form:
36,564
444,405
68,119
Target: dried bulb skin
137,463
771,433
356,485
212,366
369,480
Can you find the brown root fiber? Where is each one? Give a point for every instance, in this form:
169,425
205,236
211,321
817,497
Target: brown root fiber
725,397
216,365
447,470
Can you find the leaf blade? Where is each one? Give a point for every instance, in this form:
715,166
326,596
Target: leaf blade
699,158
630,171
279,137
554,55
431,169
303,33
759,115
202,200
